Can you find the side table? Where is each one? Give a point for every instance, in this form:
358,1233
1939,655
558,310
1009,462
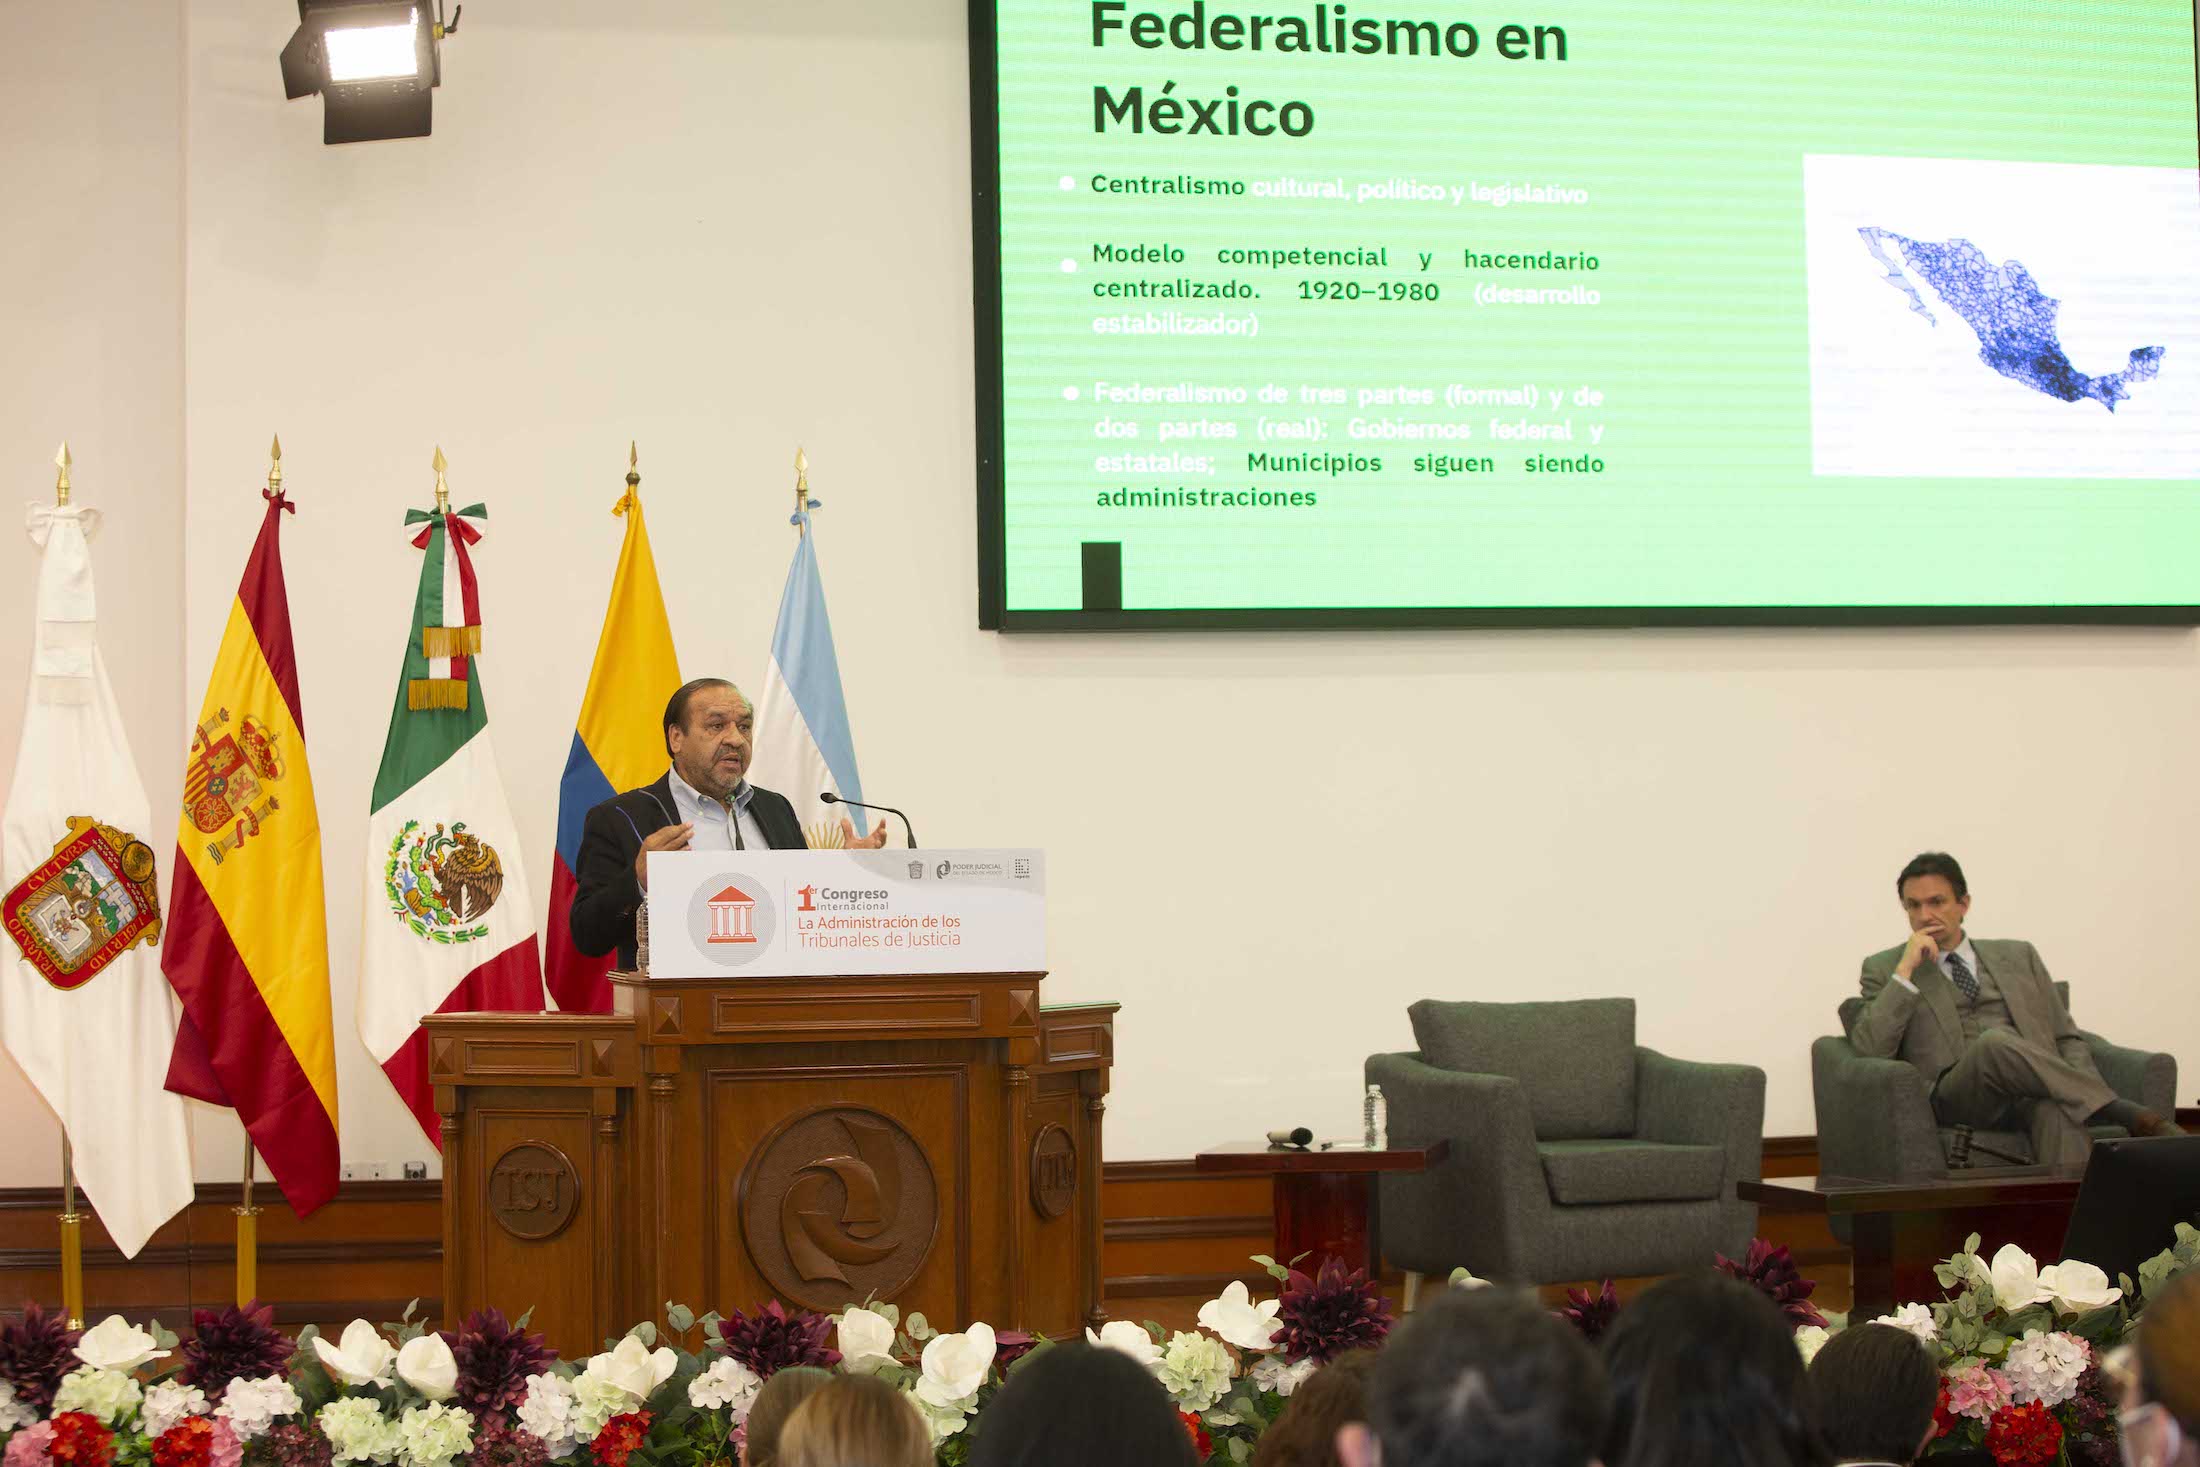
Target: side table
1325,1200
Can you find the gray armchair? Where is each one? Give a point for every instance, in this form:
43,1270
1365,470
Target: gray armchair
1875,1116
1575,1153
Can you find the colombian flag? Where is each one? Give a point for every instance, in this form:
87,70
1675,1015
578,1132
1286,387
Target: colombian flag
247,939
618,743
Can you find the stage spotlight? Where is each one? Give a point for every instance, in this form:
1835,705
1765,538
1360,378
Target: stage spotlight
375,64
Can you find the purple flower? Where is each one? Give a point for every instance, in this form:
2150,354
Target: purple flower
1331,1313
499,1443
494,1360
774,1338
237,1343
1010,1346
1592,1314
35,1354
292,1444
1772,1272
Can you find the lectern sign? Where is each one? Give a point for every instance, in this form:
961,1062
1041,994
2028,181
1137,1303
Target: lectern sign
772,914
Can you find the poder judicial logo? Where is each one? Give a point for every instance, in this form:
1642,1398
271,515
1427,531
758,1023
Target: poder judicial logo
91,901
732,919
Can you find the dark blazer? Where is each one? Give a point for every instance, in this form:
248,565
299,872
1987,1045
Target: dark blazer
606,893
1924,1027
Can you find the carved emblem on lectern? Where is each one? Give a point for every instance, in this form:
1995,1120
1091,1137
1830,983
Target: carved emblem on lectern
837,1205
533,1190
1053,1171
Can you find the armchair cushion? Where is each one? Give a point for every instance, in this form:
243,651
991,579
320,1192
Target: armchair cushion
1575,1060
1631,1171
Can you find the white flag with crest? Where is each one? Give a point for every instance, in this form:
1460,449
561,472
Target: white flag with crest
83,1006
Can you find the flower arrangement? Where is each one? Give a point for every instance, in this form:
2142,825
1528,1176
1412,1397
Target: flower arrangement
2019,1347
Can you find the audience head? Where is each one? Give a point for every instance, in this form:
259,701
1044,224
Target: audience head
1871,1390
2161,1416
1078,1405
768,1414
1481,1379
1705,1372
1332,1398
855,1421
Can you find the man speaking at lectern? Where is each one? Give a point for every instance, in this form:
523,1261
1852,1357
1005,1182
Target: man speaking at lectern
1983,1022
703,803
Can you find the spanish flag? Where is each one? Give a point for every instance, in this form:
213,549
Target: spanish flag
247,947
618,742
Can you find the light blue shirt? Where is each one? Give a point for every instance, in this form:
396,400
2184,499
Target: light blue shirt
715,820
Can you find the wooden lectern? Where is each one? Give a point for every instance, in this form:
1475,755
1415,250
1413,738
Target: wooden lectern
933,1141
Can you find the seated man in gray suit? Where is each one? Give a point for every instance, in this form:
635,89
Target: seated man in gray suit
1983,1022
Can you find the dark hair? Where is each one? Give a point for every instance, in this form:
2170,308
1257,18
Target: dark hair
1305,1434
1487,1377
676,711
1872,1389
1705,1373
1934,863
855,1421
1077,1405
776,1402
2169,1350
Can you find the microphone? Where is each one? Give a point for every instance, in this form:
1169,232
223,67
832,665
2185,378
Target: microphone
832,799
1296,1136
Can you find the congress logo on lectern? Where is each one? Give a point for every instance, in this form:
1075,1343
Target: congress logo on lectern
732,919
837,1205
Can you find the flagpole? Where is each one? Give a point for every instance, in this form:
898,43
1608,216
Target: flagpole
803,504
72,1221
248,1235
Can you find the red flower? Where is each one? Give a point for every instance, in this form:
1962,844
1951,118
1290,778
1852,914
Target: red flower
1772,1272
79,1440
189,1443
619,1437
1201,1442
1944,1420
1592,1314
1330,1312
2024,1436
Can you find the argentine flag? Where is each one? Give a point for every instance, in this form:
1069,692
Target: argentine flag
803,743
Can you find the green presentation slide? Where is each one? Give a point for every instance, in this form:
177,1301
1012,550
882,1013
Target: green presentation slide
1402,310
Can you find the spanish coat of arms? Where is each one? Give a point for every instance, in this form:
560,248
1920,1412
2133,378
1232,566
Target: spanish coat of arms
441,883
226,788
92,900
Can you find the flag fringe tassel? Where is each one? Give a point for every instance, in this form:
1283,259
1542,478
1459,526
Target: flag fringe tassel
450,642
435,692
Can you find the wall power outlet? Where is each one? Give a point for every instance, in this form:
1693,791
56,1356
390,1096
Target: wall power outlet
366,1171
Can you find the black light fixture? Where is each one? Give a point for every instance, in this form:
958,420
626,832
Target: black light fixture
375,63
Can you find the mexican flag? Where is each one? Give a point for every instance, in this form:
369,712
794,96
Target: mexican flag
448,920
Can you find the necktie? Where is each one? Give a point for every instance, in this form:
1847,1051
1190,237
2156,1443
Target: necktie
733,818
1961,973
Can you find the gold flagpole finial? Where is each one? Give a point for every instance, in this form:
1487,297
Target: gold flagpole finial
275,464
801,485
442,489
61,461
633,467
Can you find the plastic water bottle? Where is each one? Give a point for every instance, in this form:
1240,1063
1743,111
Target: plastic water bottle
1376,1114
641,938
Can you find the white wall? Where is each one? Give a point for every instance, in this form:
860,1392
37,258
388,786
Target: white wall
726,231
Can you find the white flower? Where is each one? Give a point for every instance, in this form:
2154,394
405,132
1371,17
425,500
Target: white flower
358,1432
2077,1287
116,1344
633,1367
955,1365
1271,1374
13,1413
361,1357
866,1341
165,1404
595,1401
1464,1278
1914,1319
940,1422
1131,1339
107,1394
434,1434
425,1364
2045,1367
547,1412
251,1406
1810,1339
1196,1371
2016,1279
727,1386
1239,1321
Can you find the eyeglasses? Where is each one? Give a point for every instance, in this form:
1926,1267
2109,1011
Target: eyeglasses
2150,1436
